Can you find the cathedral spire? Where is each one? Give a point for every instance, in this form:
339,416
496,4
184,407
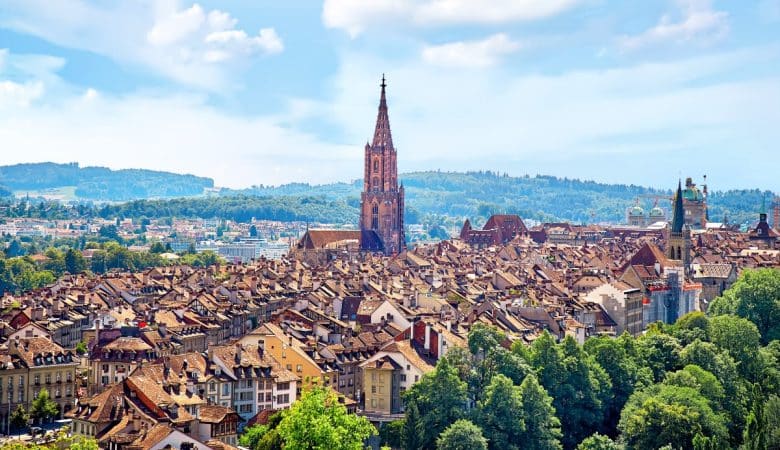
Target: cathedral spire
678,219
382,137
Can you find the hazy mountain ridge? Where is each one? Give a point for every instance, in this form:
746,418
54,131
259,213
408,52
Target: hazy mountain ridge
100,183
429,193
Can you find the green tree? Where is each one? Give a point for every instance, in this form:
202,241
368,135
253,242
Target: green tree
697,378
43,407
500,414
756,297
157,247
542,427
598,442
81,348
461,435
740,338
440,397
659,352
391,434
624,373
75,261
252,436
666,414
718,362
412,434
580,388
318,421
19,418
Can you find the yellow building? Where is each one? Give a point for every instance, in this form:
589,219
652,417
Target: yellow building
382,382
48,366
295,356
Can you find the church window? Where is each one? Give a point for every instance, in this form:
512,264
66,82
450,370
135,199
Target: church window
375,217
376,165
376,183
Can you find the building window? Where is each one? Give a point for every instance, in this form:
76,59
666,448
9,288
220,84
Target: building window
212,387
299,368
376,165
373,389
225,389
375,217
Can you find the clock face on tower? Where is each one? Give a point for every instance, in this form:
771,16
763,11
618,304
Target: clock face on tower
381,218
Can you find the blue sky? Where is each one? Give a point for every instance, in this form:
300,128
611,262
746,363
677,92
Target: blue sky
268,92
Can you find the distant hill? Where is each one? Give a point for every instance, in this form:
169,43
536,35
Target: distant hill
100,183
431,197
544,198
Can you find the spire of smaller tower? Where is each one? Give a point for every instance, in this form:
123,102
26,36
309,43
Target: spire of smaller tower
382,136
678,219
763,205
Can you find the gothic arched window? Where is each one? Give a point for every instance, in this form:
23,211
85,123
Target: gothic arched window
375,216
376,165
376,183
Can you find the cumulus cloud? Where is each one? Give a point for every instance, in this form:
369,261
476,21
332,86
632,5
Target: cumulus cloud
19,94
188,44
481,53
643,118
697,22
355,16
192,33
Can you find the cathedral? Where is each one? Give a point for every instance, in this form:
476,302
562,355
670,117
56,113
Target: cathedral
381,204
382,200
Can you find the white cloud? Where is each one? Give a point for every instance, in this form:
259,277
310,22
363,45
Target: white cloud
626,124
19,94
176,26
238,42
355,16
482,53
162,35
698,22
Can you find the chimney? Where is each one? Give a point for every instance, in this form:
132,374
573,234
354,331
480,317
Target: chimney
238,353
162,329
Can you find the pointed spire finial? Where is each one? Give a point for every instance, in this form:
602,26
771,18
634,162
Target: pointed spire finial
678,217
383,81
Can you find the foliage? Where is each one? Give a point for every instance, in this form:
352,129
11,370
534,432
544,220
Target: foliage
625,373
318,421
440,397
667,414
740,338
19,418
63,441
501,414
461,435
756,297
252,436
99,183
598,442
391,434
81,348
43,407
542,427
580,388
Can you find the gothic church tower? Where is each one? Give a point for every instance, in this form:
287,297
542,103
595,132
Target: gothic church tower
382,200
678,246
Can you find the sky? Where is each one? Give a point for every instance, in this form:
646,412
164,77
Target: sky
270,92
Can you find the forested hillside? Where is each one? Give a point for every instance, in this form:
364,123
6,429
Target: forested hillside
544,198
431,197
100,183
